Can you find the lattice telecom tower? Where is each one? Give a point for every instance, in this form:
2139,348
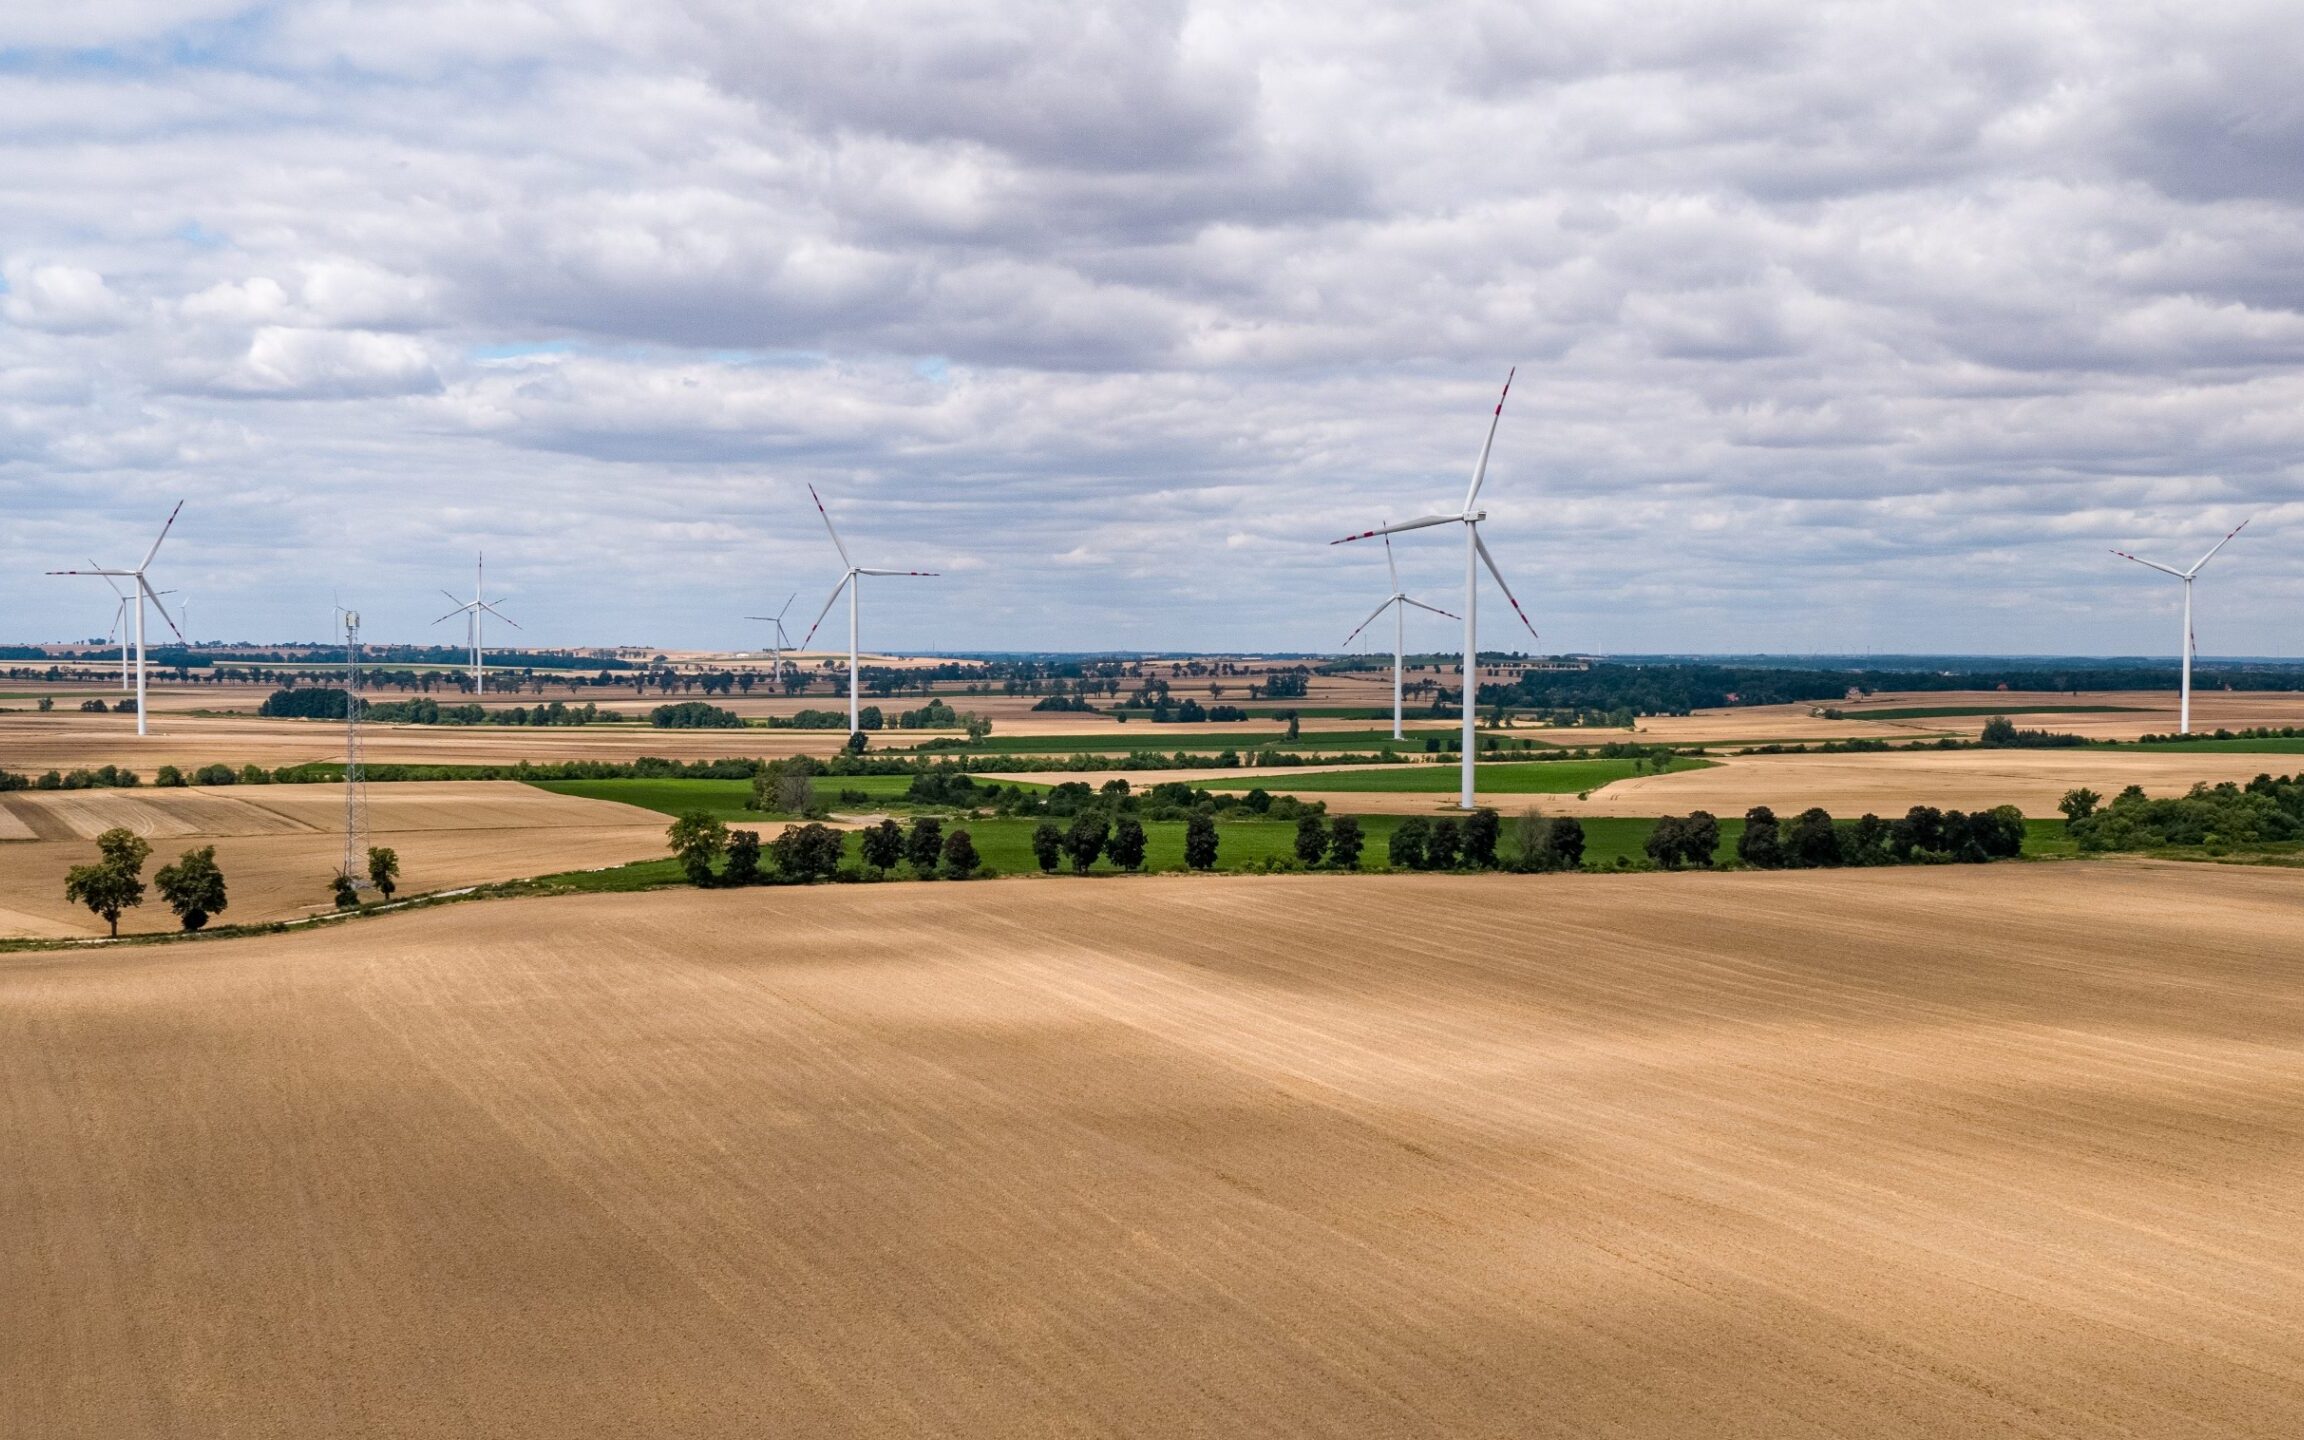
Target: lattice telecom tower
355,868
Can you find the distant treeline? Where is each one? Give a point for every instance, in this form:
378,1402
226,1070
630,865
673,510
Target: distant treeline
1813,840
1671,689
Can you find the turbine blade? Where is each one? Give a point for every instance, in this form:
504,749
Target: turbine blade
2219,545
835,595
924,573
787,604
1480,470
1490,561
484,605
1367,622
1391,565
123,574
828,528
459,610
2154,563
108,580
1433,608
155,599
1417,524
163,535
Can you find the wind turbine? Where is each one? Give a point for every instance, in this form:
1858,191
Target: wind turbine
848,583
776,648
1475,555
1398,605
2184,706
119,629
474,625
144,594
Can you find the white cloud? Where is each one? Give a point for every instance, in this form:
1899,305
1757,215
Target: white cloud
66,299
1824,317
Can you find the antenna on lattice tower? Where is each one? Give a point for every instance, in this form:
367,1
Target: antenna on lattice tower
355,867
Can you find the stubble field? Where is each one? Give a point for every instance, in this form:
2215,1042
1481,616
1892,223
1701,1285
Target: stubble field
1938,1152
278,844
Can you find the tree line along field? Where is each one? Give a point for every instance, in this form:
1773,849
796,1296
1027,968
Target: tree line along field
1004,842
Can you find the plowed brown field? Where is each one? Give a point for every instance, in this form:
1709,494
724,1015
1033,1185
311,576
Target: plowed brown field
1934,1152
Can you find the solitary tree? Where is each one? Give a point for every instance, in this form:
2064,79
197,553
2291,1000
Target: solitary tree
787,788
960,859
1867,841
1048,846
1564,844
115,881
1444,845
1406,847
1480,831
1664,841
1813,841
1311,838
743,857
1761,846
1126,847
1700,838
883,845
383,870
1345,842
345,889
1085,841
1200,842
925,846
697,839
807,853
193,886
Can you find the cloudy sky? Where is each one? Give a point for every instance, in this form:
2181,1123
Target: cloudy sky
1838,326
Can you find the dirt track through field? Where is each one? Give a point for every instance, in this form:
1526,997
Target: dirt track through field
1888,1153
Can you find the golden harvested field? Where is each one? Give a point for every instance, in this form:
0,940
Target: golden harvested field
33,742
278,844
1932,1152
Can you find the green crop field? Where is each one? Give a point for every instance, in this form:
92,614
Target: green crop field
1545,777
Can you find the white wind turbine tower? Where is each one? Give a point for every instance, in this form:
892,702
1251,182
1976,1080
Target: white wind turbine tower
144,594
1398,605
473,611
2184,705
1475,555
848,583
776,647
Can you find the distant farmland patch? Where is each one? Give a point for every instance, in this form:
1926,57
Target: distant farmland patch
1545,777
1949,712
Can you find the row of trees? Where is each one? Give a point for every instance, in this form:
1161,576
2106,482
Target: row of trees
113,883
1814,840
804,854
2267,810
1095,834
1471,843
